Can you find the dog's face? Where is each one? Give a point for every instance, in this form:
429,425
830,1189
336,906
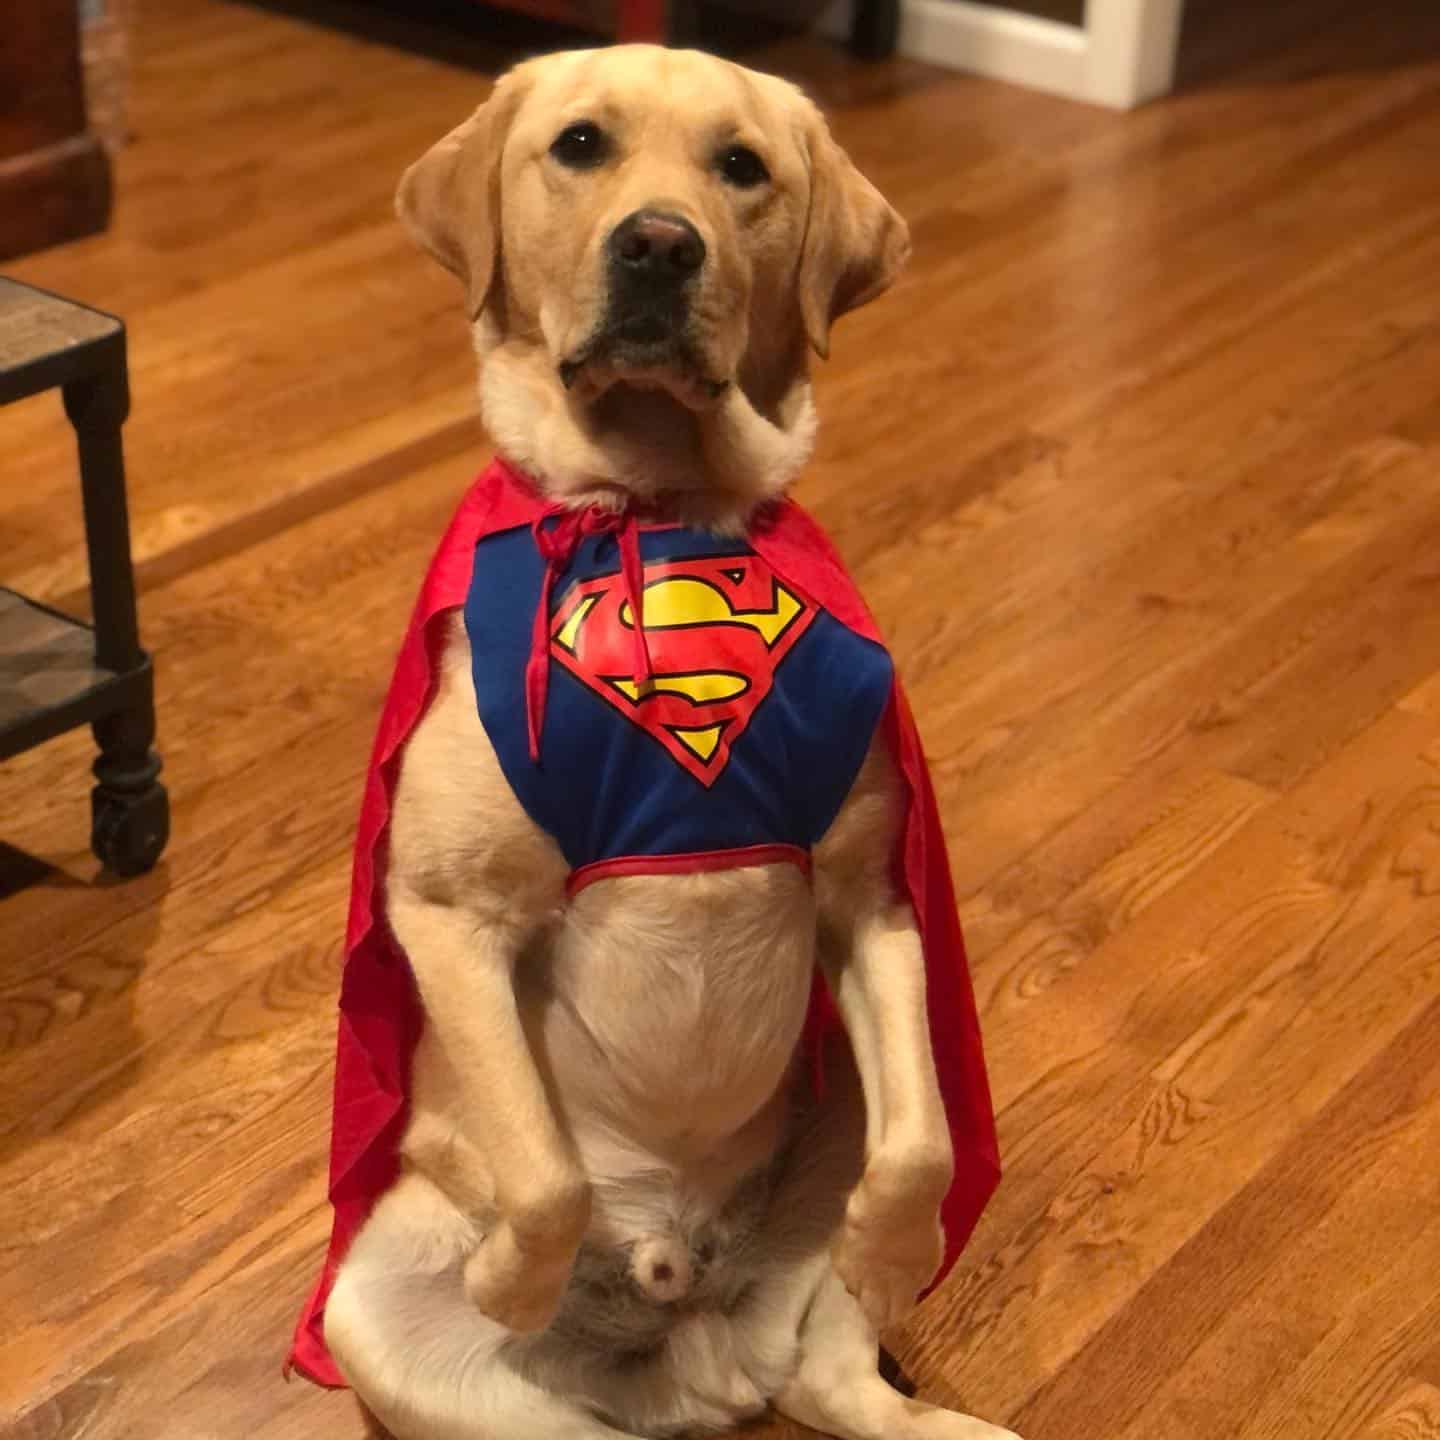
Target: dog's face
653,218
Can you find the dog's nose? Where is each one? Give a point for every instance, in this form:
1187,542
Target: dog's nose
657,248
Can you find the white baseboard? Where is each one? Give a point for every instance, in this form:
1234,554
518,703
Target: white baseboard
990,40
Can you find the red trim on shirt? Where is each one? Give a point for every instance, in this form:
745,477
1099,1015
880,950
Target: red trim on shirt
696,863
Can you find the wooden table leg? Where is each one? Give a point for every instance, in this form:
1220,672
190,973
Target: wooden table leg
130,810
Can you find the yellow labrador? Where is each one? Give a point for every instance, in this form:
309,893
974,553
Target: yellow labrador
650,241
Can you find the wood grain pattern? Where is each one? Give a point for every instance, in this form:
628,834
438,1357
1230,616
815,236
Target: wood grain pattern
1154,534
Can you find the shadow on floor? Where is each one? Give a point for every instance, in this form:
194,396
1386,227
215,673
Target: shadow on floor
19,870
47,1004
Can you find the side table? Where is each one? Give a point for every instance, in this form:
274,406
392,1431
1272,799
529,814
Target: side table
56,672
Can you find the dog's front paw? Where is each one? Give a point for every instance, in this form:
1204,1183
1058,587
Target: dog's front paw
885,1270
886,1254
518,1287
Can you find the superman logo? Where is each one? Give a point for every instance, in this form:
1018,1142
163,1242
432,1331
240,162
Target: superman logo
717,629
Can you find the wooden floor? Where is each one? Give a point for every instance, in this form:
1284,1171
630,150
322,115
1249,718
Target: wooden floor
1140,468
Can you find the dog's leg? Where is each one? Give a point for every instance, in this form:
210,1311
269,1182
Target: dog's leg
540,1195
891,1243
838,1391
424,1362
801,1335
471,880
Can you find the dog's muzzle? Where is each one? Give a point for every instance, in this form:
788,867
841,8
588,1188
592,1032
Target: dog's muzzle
654,264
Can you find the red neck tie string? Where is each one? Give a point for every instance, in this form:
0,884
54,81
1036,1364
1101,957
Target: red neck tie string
557,545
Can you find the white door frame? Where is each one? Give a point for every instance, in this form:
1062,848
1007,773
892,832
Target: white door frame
1130,49
1122,56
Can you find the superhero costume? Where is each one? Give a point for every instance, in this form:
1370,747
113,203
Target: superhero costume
660,700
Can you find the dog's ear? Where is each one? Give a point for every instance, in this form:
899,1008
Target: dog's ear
855,243
449,199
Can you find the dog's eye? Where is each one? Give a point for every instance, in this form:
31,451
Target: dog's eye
741,166
581,146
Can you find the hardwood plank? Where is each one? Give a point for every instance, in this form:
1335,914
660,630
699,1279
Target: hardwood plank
1180,679
1413,1415
1099,878
1243,1306
1243,1030
1425,697
1346,1378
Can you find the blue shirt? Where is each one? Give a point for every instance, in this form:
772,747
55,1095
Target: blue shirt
757,716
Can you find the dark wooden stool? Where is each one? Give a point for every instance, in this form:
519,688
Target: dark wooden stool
55,672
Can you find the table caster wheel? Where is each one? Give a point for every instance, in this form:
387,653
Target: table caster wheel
128,832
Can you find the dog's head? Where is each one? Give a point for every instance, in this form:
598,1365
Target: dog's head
654,219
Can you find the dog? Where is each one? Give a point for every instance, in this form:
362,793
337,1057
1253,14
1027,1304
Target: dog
623,1206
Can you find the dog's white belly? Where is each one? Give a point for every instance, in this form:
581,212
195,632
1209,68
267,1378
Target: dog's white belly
667,1009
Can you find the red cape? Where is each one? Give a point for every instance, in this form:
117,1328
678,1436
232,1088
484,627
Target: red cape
380,1014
